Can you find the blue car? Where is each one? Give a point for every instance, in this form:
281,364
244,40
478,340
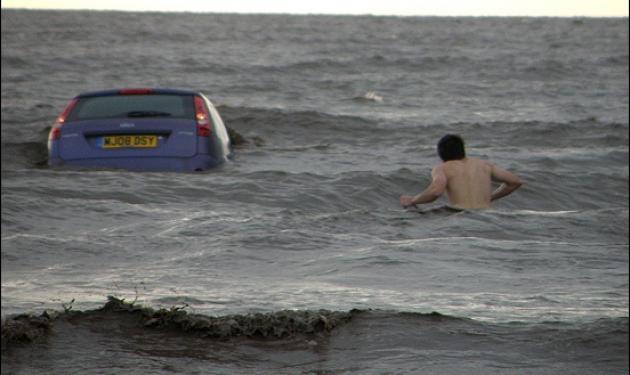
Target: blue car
139,129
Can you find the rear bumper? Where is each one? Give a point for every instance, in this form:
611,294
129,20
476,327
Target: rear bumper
176,164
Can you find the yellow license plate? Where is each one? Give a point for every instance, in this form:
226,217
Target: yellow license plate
118,141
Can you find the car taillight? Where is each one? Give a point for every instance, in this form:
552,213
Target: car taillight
55,131
203,118
135,91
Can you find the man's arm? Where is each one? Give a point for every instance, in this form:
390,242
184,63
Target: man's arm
431,193
509,181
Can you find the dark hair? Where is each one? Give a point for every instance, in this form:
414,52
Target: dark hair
451,147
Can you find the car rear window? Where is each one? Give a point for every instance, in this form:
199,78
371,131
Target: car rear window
123,106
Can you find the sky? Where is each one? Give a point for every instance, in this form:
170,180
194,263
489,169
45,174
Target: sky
538,8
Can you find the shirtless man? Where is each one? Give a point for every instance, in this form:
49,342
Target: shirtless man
467,181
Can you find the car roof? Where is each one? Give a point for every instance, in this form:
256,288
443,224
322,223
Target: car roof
150,91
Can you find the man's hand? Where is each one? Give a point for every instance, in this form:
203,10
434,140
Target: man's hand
509,182
406,201
431,193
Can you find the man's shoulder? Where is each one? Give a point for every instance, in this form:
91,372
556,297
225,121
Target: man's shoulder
439,167
458,166
459,163
479,161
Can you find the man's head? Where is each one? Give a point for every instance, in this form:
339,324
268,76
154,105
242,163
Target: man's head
451,147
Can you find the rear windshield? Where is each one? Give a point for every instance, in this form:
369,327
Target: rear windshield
135,106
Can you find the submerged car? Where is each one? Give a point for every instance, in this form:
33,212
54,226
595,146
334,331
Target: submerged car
139,129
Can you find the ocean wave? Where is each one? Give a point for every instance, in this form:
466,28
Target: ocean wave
290,125
283,130
24,328
259,118
369,96
367,329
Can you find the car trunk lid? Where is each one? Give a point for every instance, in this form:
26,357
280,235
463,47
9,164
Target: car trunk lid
128,137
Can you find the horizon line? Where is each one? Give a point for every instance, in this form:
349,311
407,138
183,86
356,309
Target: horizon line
304,14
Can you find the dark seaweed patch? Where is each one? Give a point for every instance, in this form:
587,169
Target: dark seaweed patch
275,325
25,328
280,324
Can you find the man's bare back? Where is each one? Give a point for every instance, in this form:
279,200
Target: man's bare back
467,183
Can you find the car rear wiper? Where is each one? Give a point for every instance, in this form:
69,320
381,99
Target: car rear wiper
147,114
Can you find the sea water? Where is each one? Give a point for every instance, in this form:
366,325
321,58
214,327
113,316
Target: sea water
341,116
